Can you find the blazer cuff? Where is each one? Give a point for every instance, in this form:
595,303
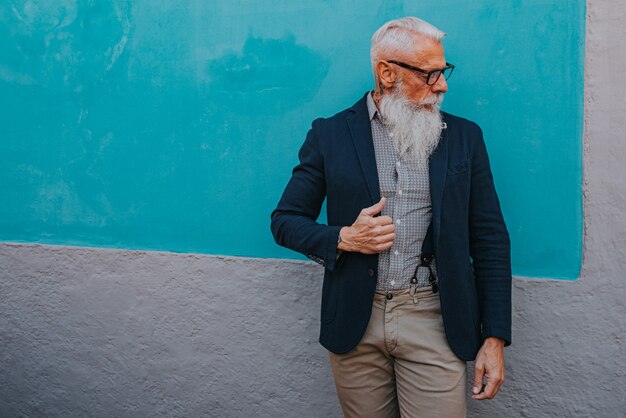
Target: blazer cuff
498,333
333,257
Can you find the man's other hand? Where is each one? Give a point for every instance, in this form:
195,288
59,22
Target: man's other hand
369,234
489,364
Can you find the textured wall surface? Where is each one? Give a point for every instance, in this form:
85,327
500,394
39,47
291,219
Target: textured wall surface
109,333
112,333
168,125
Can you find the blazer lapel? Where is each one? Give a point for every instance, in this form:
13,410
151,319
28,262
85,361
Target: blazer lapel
361,132
437,170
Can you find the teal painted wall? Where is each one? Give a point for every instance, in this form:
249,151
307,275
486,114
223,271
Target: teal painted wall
175,125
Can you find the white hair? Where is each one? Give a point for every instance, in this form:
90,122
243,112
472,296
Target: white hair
399,36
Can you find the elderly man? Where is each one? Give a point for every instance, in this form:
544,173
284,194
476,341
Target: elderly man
417,276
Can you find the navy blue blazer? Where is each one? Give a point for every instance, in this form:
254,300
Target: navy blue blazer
472,249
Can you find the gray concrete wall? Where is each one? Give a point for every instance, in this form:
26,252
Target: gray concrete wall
111,333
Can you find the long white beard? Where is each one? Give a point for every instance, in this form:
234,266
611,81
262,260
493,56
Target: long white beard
416,130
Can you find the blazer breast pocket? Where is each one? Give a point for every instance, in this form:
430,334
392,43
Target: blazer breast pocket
458,168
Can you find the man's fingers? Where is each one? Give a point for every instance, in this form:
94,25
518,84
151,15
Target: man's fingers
385,239
490,391
385,229
489,364
379,229
479,372
376,208
494,381
480,396
383,220
383,246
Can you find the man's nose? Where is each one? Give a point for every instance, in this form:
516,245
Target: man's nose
441,86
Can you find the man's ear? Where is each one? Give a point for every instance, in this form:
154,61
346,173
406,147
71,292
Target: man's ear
386,75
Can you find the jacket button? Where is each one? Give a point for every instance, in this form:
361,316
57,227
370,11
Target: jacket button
370,272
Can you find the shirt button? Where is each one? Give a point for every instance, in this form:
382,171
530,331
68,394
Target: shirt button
398,223
370,272
397,163
396,252
400,192
393,282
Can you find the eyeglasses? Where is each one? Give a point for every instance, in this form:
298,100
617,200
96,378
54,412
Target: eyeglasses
431,76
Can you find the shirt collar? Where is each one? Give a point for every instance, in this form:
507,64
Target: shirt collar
371,106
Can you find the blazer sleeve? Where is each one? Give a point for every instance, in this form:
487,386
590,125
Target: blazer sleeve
293,222
489,246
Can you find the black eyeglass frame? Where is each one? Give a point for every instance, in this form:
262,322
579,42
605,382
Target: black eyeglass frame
428,73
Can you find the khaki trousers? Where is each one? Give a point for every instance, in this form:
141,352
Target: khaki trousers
403,366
